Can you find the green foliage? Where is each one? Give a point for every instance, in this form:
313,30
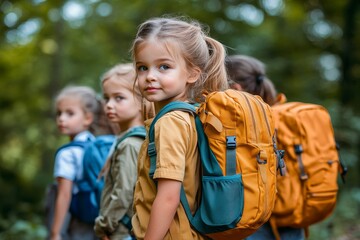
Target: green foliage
308,46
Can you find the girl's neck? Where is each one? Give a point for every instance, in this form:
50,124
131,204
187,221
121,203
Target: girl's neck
159,105
126,126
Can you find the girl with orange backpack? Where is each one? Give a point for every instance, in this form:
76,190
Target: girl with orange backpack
175,60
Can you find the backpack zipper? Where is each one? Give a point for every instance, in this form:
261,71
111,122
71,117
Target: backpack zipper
252,116
267,122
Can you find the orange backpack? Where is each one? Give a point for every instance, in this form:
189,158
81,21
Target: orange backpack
236,143
307,192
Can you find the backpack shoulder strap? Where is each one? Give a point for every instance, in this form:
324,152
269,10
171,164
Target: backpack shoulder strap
73,144
133,132
209,163
181,106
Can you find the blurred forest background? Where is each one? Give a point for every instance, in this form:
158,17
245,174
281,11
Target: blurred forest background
311,48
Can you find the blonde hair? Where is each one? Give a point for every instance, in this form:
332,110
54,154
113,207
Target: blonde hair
196,47
250,73
90,103
125,74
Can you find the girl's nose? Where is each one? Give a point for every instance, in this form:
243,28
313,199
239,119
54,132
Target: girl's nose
109,104
61,117
151,76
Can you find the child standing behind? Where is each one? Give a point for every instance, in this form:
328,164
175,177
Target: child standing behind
77,112
175,61
248,74
123,107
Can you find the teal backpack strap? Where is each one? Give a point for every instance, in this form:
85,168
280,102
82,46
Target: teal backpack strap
126,221
209,163
133,132
181,106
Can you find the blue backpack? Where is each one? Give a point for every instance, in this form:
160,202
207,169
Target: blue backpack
85,203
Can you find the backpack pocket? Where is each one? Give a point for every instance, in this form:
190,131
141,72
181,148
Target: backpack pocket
222,200
319,205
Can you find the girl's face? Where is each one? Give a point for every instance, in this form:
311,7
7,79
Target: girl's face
161,77
121,106
71,119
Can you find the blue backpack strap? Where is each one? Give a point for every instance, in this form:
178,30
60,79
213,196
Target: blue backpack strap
72,144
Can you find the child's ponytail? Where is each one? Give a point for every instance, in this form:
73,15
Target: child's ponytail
216,77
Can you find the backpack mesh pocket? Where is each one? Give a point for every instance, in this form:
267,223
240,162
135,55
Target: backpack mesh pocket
222,200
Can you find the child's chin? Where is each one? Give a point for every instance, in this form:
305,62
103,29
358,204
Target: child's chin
114,120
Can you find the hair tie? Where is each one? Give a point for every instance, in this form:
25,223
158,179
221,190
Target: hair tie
259,79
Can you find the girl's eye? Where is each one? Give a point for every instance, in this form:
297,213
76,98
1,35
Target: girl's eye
141,68
70,113
106,99
164,67
119,98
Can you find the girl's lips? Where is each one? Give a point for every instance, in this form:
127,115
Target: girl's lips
61,128
111,115
151,89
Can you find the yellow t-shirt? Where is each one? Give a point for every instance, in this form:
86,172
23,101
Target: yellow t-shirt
177,159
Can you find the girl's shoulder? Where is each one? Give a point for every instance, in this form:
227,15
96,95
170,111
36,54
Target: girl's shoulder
134,136
177,115
76,145
84,137
175,120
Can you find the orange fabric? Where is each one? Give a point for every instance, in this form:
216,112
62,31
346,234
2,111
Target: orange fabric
250,119
301,203
177,159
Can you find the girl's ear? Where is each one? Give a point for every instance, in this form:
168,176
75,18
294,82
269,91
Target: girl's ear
194,75
89,118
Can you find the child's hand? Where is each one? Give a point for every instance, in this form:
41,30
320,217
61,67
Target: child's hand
105,238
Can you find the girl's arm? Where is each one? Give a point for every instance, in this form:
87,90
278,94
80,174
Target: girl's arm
61,206
163,209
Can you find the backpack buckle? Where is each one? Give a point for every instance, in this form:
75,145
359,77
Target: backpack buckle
151,149
230,142
281,163
298,148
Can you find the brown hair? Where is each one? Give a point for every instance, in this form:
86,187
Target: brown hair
195,46
250,73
